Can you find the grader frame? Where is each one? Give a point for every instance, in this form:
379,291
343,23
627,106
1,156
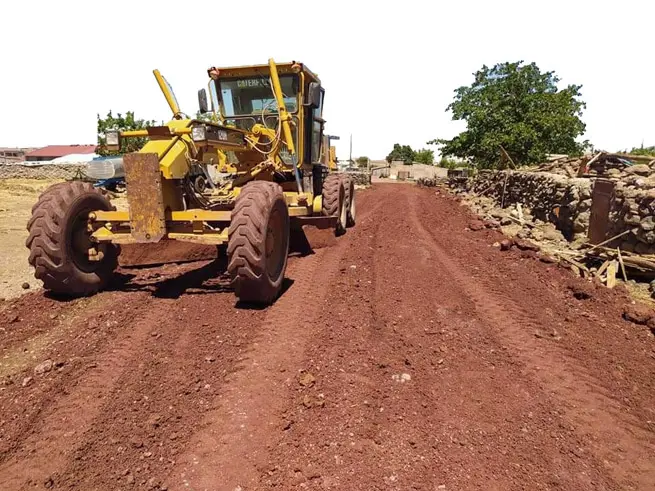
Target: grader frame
275,173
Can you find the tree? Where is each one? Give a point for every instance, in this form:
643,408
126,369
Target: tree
649,151
401,152
424,156
204,116
121,123
517,107
362,162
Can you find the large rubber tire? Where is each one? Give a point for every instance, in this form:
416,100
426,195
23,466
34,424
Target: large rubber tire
258,243
334,201
59,241
351,209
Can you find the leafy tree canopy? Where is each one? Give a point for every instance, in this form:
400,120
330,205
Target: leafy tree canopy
362,161
121,123
518,107
424,156
401,152
642,150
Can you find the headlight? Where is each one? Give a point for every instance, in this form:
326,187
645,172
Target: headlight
199,133
113,138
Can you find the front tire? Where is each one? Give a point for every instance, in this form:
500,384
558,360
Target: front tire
258,243
59,240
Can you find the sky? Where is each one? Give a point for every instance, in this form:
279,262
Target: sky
389,68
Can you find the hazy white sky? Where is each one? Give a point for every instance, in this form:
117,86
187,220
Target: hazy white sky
389,68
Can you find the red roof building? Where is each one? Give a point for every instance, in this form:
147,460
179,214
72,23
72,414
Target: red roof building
54,151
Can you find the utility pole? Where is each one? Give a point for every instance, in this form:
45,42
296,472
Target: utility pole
350,160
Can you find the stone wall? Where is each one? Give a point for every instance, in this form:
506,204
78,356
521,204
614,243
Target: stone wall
633,208
47,171
566,201
362,178
548,197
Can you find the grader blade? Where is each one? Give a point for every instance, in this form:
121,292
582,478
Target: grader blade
147,216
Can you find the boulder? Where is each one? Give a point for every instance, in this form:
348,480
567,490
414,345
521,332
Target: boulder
639,314
638,169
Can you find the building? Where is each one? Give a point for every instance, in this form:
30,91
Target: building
52,152
13,155
401,170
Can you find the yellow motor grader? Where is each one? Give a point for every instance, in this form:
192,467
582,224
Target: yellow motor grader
253,167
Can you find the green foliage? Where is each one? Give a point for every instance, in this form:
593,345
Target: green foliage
649,151
447,163
121,123
204,116
401,152
519,107
424,156
362,161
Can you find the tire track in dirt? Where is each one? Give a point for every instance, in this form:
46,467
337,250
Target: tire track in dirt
67,412
449,425
232,447
615,437
165,393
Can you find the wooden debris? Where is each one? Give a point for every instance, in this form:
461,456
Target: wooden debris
618,253
625,232
611,275
602,269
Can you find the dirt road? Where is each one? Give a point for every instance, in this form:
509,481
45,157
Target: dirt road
409,354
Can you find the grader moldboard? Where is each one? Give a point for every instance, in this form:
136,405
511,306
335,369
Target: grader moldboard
255,167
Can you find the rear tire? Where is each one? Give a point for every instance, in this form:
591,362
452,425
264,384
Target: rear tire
258,243
59,240
351,212
334,201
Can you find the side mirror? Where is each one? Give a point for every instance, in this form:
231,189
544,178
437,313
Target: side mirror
202,101
314,95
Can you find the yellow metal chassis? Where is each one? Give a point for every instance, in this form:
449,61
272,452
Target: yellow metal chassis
194,225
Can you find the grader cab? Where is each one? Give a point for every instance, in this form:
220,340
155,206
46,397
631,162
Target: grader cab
254,167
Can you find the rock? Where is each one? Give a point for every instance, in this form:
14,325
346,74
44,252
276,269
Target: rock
25,286
641,248
210,359
44,367
401,377
506,221
493,224
553,235
524,233
547,259
476,225
639,314
651,286
27,381
49,483
506,245
582,291
306,379
526,245
11,318
632,219
638,169
613,172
